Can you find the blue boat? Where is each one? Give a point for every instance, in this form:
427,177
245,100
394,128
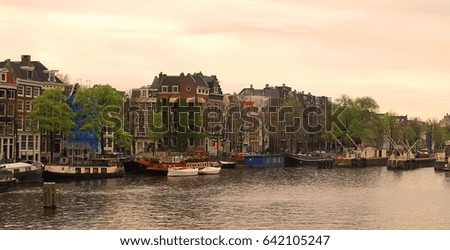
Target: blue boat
264,160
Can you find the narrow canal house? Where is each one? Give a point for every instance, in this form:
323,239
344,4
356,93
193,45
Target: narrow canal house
273,135
25,80
176,96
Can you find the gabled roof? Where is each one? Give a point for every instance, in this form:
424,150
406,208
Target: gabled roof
166,80
17,70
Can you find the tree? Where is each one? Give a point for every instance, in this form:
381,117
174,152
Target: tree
360,119
156,128
51,114
101,112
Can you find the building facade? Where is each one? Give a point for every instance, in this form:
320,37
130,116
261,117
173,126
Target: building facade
25,80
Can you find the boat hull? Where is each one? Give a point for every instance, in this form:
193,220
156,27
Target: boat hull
264,161
179,172
209,170
360,162
403,164
228,164
309,161
61,172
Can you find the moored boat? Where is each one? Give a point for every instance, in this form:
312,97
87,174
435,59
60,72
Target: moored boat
367,157
212,168
314,159
24,171
405,162
7,180
264,160
228,164
92,169
181,171
442,161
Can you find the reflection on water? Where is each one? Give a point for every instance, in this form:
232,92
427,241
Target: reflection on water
246,198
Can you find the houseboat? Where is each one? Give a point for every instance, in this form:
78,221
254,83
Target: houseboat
24,171
367,157
264,160
407,161
442,162
313,159
91,169
442,157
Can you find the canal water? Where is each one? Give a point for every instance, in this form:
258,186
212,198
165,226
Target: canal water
243,198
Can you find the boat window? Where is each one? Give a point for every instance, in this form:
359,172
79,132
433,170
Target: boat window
16,170
95,170
87,170
28,169
103,170
77,170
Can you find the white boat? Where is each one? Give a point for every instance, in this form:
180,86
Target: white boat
209,170
181,171
23,171
228,164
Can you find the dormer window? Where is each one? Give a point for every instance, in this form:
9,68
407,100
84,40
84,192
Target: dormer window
174,88
29,71
3,77
165,89
51,75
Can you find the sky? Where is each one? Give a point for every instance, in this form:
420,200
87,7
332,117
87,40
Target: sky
396,52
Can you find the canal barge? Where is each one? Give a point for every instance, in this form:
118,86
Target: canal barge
367,157
264,160
92,169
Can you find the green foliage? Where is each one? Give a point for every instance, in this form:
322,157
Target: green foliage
360,119
101,109
51,112
156,127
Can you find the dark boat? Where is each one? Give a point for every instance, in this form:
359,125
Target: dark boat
24,171
264,160
228,164
367,157
320,160
92,169
7,180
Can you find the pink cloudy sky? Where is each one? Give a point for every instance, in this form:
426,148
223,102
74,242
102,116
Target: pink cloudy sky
397,52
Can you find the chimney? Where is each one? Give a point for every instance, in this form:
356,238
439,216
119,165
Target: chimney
26,60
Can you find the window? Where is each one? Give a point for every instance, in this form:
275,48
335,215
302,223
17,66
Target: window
23,142
11,94
10,111
51,77
2,93
27,105
29,74
36,91
2,128
188,88
20,122
3,79
10,128
2,109
20,105
20,90
30,142
174,88
165,89
28,91
87,170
